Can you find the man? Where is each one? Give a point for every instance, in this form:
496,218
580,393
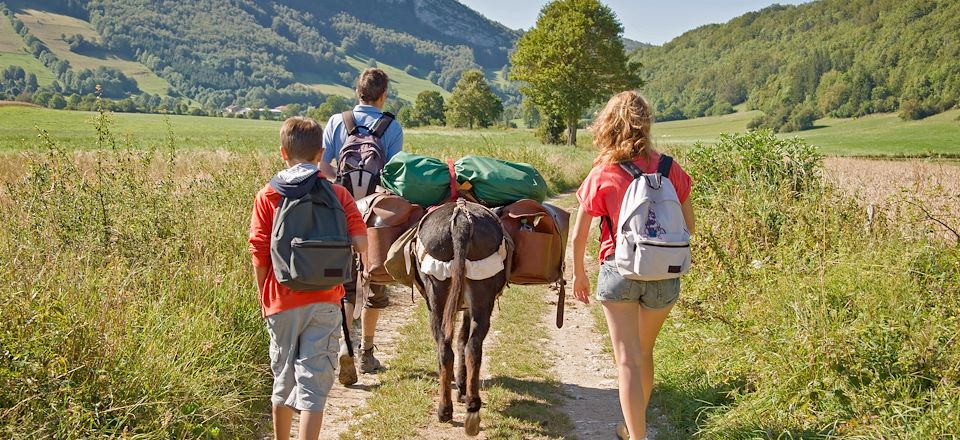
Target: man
372,94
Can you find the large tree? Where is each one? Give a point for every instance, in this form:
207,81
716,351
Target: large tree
573,58
472,102
428,110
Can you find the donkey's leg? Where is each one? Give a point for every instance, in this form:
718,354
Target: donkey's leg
437,294
461,374
445,349
481,302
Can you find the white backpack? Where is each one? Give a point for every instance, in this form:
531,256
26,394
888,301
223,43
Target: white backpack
653,242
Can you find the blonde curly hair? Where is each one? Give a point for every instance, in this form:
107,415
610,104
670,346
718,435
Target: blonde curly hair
621,130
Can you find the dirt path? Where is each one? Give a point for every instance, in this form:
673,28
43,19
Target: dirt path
343,401
587,373
434,430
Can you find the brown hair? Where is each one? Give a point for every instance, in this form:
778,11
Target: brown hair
301,137
621,130
371,85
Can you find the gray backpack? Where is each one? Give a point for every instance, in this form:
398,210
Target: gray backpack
309,246
362,157
653,242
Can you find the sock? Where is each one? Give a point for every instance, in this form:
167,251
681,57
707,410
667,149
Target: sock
367,343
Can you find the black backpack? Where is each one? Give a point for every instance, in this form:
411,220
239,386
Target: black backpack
362,156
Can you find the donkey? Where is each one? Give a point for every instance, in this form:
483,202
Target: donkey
455,233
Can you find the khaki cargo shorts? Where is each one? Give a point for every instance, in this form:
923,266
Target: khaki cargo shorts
303,348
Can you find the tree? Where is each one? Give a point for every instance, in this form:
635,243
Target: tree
472,102
573,58
333,105
429,108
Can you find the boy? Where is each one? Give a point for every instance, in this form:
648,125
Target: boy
372,94
304,327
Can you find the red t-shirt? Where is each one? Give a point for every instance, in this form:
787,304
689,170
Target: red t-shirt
276,297
602,192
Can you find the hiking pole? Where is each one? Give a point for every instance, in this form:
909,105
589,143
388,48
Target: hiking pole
345,326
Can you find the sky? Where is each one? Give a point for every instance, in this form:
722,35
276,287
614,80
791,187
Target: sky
655,21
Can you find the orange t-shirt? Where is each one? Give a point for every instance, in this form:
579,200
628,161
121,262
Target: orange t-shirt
275,297
602,192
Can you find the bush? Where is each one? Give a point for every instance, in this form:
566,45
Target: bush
551,130
796,322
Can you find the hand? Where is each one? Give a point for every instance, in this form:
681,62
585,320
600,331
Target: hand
581,287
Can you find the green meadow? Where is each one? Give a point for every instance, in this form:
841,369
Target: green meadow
406,85
875,135
49,26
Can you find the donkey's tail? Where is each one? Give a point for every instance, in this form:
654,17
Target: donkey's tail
461,232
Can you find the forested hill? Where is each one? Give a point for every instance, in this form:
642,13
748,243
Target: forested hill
223,51
837,58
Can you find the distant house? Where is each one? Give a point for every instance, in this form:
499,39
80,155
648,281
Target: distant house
236,110
278,110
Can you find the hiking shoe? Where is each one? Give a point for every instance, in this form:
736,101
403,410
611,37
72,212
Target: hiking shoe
348,371
369,363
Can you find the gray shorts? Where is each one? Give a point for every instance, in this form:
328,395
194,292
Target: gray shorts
303,347
611,286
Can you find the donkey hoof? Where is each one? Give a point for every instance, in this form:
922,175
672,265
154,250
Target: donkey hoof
445,414
471,426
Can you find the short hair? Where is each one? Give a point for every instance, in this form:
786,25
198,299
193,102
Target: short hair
301,137
372,84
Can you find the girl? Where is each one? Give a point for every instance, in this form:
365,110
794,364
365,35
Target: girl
635,310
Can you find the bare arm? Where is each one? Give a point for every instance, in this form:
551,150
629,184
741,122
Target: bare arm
581,231
261,274
688,216
327,170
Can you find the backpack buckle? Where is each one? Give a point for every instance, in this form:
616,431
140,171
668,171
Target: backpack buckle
654,181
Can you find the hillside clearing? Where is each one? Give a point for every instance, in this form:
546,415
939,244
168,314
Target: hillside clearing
49,26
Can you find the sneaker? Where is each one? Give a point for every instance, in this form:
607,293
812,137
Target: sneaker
369,363
348,371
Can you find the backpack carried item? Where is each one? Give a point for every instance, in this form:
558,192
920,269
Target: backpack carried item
387,216
653,242
362,157
310,247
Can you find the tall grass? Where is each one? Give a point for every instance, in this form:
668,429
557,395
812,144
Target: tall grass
127,303
799,322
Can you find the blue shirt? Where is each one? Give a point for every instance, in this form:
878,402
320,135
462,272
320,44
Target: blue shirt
334,135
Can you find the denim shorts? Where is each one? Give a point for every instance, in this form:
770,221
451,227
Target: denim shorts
303,345
611,286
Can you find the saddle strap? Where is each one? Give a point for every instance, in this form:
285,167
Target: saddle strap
561,299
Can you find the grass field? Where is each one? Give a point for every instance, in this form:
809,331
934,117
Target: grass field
48,27
874,135
13,53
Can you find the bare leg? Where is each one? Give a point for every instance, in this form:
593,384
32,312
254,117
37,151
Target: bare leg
310,423
651,321
282,420
368,322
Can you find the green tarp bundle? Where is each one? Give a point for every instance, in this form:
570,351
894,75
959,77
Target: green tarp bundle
426,180
498,182
420,179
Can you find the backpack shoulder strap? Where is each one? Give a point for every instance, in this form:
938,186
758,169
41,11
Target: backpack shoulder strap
349,122
664,166
380,127
632,169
